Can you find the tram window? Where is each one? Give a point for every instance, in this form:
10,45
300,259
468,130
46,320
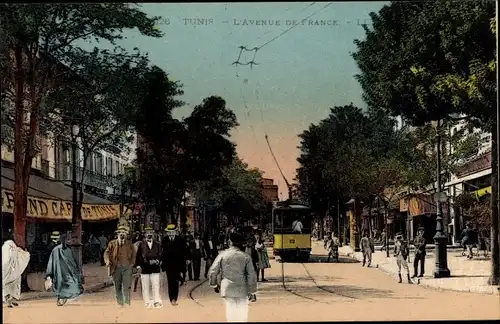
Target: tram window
284,220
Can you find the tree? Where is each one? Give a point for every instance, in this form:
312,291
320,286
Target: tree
430,61
177,154
39,53
161,152
236,192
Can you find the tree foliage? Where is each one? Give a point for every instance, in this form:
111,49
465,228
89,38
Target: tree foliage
176,155
39,53
237,191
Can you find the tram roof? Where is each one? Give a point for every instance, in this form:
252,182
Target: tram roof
294,206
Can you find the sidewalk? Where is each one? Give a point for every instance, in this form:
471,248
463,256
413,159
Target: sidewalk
466,275
96,278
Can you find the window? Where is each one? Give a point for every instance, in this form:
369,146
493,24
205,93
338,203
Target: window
90,163
109,166
117,168
99,167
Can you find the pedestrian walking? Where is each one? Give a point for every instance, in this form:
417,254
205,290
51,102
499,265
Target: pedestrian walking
14,262
210,252
263,262
252,253
173,261
419,243
196,249
103,244
383,236
401,252
63,274
148,265
120,259
233,275
333,247
135,275
367,247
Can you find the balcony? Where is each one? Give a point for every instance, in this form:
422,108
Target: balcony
90,179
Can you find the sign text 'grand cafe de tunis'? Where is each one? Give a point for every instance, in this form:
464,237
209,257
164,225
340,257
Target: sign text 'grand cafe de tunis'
50,207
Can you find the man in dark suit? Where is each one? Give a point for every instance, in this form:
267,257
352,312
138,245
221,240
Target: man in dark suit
210,251
196,249
173,261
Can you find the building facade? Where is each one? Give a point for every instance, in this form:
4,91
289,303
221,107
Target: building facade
270,190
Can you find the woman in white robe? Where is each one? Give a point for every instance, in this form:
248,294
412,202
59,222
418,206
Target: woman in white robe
14,262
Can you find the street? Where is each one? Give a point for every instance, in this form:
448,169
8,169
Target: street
314,292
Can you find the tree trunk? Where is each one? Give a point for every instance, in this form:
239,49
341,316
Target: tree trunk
495,244
21,163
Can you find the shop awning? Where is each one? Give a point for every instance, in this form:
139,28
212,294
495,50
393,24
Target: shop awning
483,192
51,200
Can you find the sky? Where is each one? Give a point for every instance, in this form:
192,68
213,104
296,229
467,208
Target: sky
300,75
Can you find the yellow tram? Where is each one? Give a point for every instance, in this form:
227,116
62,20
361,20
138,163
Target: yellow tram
292,241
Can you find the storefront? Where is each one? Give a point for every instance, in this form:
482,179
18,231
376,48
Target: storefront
50,209
421,212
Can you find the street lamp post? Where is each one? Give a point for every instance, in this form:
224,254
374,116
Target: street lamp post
76,222
440,239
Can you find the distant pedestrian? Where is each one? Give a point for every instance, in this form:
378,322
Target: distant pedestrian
120,259
333,247
103,244
63,274
233,275
252,252
383,237
14,262
210,252
366,246
197,252
401,252
419,243
148,265
263,262
173,261
468,240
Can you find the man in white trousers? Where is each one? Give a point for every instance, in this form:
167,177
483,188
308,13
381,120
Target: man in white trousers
148,265
232,273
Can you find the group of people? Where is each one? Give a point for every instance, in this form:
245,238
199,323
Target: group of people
63,274
401,253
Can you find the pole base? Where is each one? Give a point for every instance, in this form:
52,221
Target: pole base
442,273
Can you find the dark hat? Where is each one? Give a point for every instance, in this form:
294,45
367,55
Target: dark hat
236,238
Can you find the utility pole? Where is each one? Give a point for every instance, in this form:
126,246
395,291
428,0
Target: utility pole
76,216
338,216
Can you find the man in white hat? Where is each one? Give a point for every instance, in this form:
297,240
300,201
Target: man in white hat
148,265
14,262
120,259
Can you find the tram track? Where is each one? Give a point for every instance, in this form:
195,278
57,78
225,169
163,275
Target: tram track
193,289
316,285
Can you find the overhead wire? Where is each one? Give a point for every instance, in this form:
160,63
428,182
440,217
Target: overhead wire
257,48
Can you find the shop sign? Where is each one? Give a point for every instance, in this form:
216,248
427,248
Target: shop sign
50,209
403,205
420,204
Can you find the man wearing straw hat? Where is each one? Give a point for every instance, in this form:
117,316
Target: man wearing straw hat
401,253
419,243
120,259
173,261
148,265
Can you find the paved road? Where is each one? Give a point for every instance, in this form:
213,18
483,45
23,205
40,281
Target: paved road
347,292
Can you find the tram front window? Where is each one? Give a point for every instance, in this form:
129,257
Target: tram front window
292,221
